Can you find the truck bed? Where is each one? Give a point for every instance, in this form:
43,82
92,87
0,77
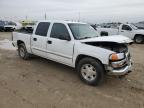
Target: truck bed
24,37
24,31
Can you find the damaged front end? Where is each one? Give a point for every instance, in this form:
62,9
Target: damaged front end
119,61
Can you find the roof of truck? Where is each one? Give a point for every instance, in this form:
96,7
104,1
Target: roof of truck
61,21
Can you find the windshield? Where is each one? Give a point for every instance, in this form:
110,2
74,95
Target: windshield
82,31
134,27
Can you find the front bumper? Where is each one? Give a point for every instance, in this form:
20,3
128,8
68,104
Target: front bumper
123,71
9,28
122,67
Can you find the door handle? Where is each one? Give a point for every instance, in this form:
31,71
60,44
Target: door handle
49,42
122,31
35,39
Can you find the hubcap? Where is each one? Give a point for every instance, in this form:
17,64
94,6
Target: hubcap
88,72
22,53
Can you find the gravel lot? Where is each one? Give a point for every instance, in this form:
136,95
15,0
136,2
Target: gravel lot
41,83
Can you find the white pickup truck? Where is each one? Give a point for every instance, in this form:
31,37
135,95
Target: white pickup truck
79,46
9,28
128,30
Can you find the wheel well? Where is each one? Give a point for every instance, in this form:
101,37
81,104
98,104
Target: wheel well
80,57
138,35
19,42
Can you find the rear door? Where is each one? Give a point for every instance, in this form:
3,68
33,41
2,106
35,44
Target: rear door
60,50
39,39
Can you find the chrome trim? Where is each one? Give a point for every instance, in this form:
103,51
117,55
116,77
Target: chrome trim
121,71
119,63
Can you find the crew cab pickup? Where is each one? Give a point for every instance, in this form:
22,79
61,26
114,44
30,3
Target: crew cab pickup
79,46
128,30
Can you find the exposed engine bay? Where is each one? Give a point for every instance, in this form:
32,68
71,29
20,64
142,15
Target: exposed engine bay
116,47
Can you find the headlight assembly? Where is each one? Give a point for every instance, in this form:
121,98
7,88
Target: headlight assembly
116,57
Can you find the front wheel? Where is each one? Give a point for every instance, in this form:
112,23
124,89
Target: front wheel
139,39
22,51
91,71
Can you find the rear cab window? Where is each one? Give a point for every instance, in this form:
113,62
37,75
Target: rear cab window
42,29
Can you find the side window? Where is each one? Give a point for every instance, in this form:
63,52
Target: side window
126,27
59,30
42,28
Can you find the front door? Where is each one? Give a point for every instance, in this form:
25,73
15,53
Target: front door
60,49
126,31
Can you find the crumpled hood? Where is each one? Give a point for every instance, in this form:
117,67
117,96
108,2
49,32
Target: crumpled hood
114,38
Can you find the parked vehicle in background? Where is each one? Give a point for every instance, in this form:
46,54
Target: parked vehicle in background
139,25
29,27
2,24
10,26
79,46
128,30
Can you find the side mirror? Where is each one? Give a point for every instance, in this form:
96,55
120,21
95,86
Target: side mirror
129,29
65,37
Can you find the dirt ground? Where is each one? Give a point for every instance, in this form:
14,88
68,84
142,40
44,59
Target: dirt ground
41,83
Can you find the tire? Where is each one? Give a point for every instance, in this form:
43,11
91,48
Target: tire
91,71
139,39
22,52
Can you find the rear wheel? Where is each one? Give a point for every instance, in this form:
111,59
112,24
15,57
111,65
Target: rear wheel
139,39
22,52
91,71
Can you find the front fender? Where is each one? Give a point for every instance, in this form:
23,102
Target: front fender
101,54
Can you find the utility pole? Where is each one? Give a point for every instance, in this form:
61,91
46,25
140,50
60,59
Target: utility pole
79,17
26,17
45,16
